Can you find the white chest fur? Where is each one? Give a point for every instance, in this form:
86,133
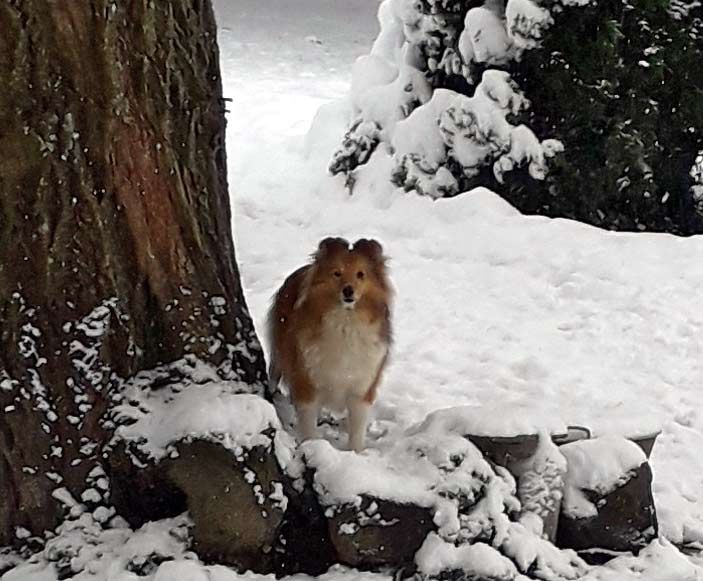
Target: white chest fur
343,360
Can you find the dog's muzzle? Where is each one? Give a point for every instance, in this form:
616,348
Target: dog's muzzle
348,296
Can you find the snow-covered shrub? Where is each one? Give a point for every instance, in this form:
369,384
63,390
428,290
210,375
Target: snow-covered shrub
439,137
573,108
697,187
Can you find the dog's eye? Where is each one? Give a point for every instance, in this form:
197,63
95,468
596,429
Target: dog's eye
337,273
360,274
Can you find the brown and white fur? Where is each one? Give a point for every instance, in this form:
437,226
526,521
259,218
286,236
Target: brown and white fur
330,330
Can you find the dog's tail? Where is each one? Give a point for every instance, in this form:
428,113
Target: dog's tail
276,393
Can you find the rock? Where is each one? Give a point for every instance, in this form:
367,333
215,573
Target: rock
140,489
304,544
608,502
236,502
215,450
646,442
506,450
381,505
538,468
504,434
379,532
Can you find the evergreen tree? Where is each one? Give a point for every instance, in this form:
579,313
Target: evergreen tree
599,120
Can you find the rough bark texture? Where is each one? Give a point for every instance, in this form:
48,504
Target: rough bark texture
116,252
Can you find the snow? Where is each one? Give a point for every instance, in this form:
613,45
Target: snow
390,95
494,310
541,483
660,561
161,418
601,464
479,560
501,421
526,23
410,471
484,38
419,134
386,104
525,322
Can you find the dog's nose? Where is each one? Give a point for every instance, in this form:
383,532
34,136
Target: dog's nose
348,292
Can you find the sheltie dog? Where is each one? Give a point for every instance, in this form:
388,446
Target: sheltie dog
330,332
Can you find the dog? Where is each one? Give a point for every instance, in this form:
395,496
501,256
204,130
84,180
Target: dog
330,334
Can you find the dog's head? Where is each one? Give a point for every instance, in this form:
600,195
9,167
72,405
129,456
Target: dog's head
350,272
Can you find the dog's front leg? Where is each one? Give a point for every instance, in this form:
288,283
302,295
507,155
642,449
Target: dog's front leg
307,419
358,419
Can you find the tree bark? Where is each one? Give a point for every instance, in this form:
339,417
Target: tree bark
116,254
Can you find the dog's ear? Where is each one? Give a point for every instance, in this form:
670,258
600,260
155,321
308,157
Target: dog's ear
329,245
372,249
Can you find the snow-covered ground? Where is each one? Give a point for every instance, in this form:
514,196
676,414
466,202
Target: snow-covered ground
540,322
524,315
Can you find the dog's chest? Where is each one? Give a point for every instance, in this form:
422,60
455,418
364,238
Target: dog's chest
344,358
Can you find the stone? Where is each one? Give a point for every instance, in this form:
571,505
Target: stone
304,544
140,489
538,469
506,450
378,532
646,442
625,521
236,502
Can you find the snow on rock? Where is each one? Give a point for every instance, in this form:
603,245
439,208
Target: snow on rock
541,487
181,570
342,477
157,419
539,557
423,469
83,549
660,561
413,470
474,504
479,560
600,465
608,499
497,420
9,559
519,552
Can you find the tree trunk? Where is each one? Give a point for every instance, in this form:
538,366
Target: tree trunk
116,254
